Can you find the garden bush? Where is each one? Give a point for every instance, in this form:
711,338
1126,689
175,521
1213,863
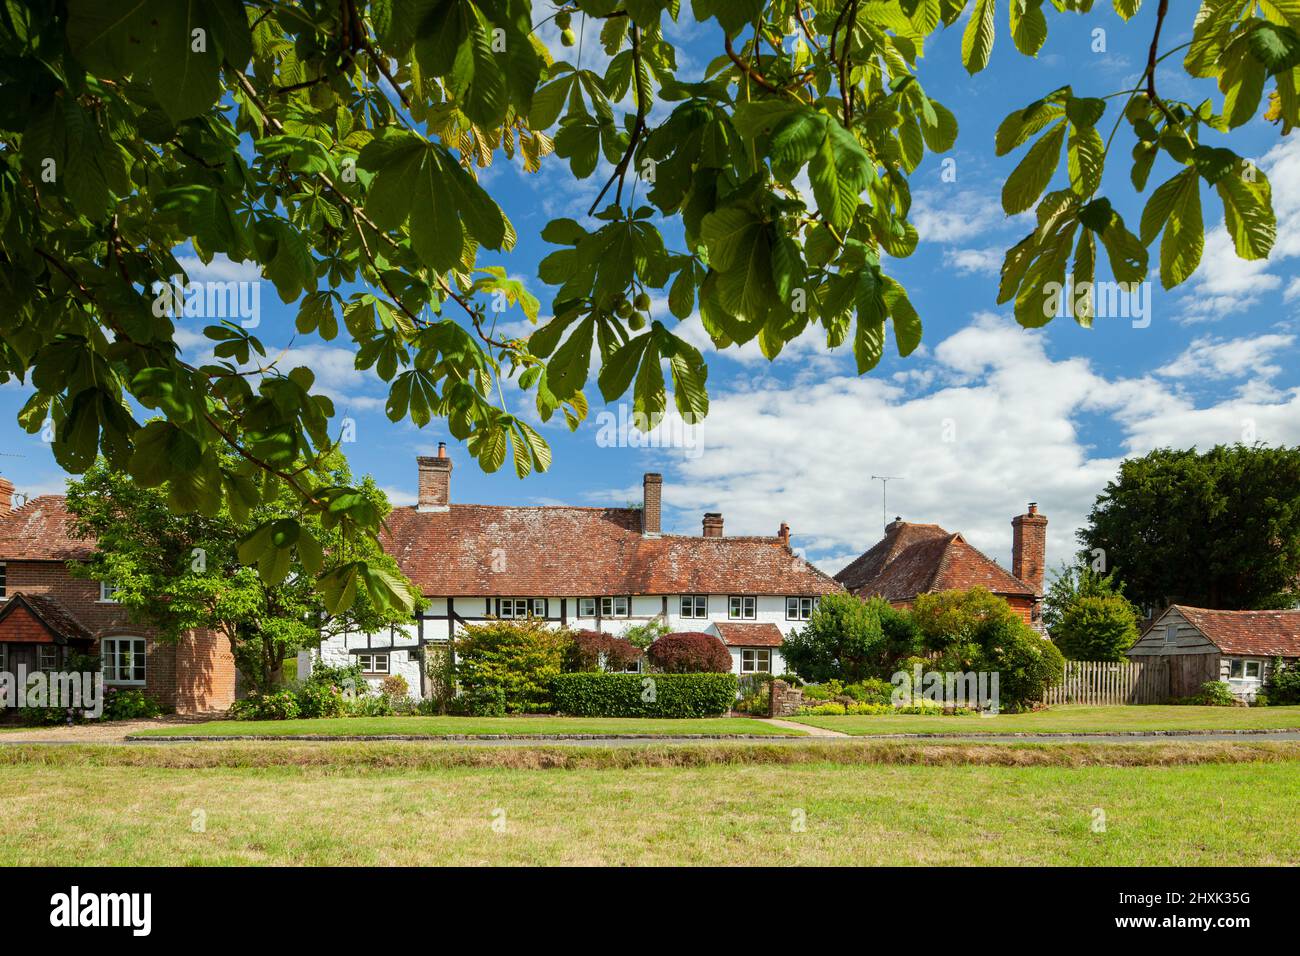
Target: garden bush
508,666
650,695
1283,685
281,705
850,640
689,652
129,704
1097,628
1213,693
594,651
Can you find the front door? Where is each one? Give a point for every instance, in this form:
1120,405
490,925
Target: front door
21,654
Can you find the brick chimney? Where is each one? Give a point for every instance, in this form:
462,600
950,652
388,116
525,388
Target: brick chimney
784,534
652,486
712,524
1029,547
6,495
435,480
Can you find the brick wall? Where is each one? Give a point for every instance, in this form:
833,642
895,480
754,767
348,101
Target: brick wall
196,674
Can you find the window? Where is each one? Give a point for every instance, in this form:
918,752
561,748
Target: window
586,607
755,662
47,657
122,659
4,658
1243,670
695,605
742,607
3,592
373,663
613,607
799,608
108,592
521,607
1171,634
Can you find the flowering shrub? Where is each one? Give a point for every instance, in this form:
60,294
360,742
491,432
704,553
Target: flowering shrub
129,704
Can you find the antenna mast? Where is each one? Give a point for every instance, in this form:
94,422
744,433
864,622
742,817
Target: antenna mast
884,496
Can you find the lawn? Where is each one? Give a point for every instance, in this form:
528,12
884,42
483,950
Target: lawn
1070,718
380,726
117,809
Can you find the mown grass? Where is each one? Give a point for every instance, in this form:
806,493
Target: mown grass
859,803
1071,718
438,726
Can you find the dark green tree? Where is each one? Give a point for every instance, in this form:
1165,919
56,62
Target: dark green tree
848,639
1097,628
1076,581
1218,529
181,571
336,143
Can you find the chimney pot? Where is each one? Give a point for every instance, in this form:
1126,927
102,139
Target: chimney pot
1029,548
652,486
435,481
712,524
784,534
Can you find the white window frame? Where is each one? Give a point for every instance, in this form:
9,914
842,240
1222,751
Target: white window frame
755,654
803,608
372,657
106,591
742,607
1246,666
694,607
108,651
1171,634
612,603
587,607
516,609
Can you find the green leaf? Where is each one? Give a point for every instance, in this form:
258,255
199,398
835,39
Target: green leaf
1028,180
1248,212
839,171
1028,25
187,63
977,40
1178,212
1085,156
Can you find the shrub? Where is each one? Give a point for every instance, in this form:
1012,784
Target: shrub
510,663
594,650
321,700
689,652
850,640
395,688
281,705
1283,685
347,678
129,704
1096,628
1026,663
1214,693
873,690
625,695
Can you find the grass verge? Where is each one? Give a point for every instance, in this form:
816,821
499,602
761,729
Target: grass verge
121,805
469,726
1068,719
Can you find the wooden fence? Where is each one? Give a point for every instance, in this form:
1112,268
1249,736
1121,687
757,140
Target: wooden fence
1106,682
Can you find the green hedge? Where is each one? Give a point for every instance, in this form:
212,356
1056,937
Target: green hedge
622,695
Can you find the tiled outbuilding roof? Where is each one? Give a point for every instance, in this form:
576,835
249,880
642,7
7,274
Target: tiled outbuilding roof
60,622
1258,633
483,550
748,635
913,559
41,530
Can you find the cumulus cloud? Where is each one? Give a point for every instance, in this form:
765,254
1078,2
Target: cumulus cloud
1002,424
1232,358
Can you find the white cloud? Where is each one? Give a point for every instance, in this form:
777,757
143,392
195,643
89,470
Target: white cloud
1003,427
955,215
986,261
1213,358
220,269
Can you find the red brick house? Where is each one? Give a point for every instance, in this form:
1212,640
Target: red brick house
914,559
46,614
601,569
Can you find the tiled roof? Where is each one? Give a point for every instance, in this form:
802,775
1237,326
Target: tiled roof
1260,633
41,531
481,550
50,613
749,635
916,558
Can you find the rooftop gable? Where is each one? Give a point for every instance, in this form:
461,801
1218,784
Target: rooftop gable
1257,633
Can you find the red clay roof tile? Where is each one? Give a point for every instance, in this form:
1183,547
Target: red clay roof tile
41,531
766,634
1259,633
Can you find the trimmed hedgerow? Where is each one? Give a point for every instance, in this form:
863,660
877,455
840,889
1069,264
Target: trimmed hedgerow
644,695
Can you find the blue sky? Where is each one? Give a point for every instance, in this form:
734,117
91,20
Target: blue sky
985,417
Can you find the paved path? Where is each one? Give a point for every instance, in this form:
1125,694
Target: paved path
810,731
